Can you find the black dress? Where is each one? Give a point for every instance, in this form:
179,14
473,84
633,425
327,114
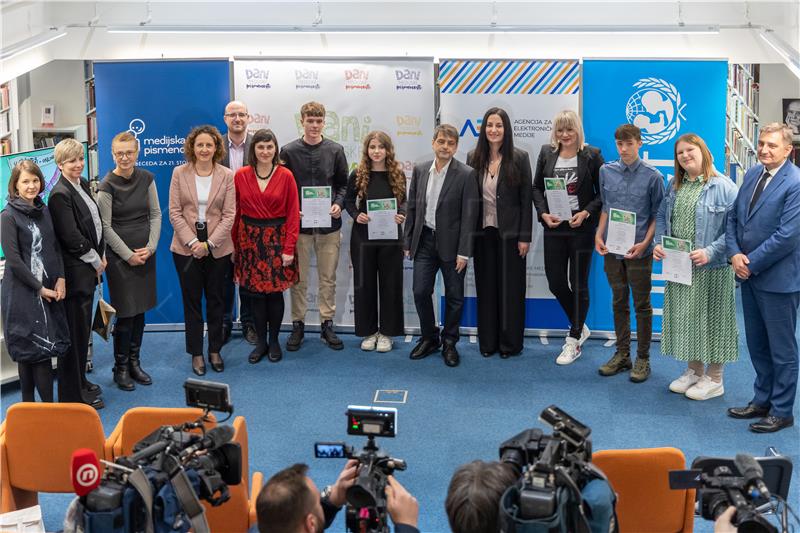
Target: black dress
35,329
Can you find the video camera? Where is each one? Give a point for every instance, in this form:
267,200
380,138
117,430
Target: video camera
554,470
158,488
366,498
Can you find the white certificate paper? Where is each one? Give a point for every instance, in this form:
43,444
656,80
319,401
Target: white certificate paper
621,231
555,190
677,265
316,207
381,215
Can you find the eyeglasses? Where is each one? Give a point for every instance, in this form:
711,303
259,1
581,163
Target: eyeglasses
123,155
237,115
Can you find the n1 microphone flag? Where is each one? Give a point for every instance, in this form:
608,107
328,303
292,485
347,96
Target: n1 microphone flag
85,470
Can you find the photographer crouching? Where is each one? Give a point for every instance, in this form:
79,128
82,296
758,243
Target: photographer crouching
291,503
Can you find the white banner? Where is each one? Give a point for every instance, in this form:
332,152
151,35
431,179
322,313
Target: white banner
394,96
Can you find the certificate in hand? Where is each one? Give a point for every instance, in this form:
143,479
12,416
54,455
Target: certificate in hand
316,207
621,231
382,224
555,190
677,265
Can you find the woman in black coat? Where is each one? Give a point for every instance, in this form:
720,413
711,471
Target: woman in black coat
79,229
503,235
33,284
569,244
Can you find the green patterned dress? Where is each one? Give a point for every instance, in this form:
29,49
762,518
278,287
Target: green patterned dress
699,322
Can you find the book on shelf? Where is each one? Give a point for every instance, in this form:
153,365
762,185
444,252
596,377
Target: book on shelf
5,124
88,70
5,146
5,99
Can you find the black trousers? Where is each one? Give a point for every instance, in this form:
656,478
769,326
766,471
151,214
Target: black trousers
72,366
377,283
128,333
500,275
426,263
198,277
245,312
567,258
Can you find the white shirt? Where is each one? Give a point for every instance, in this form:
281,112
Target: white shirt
203,184
91,257
772,174
434,188
235,155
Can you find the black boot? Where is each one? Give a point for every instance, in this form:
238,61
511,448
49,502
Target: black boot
121,375
296,338
139,375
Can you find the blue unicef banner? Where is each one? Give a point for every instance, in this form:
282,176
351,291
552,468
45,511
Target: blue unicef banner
665,99
159,102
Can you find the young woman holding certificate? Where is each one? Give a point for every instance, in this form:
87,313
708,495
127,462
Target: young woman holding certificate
699,323
376,190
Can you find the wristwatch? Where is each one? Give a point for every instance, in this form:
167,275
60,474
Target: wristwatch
326,493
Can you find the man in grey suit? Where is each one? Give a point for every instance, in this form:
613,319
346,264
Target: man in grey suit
237,144
441,217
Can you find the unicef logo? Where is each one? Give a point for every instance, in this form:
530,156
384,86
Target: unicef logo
656,109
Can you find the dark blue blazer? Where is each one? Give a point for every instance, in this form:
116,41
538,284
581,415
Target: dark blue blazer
769,235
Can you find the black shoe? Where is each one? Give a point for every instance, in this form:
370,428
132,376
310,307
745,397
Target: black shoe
771,424
217,364
750,411
93,388
121,375
450,354
296,338
138,375
274,352
256,355
488,353
424,348
198,365
227,328
329,337
249,333
97,404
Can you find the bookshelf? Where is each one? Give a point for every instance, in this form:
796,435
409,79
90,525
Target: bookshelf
91,119
741,136
9,122
44,137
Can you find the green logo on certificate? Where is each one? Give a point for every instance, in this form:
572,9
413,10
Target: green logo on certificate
555,184
316,192
623,217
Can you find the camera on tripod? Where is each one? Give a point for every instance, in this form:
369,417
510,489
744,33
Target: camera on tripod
366,498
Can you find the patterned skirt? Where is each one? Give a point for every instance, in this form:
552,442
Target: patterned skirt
258,265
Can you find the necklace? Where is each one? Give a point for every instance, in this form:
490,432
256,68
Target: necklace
496,164
268,176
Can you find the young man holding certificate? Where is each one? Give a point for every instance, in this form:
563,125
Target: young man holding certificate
320,169
631,191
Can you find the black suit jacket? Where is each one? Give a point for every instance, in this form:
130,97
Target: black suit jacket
456,211
589,162
514,209
226,161
76,234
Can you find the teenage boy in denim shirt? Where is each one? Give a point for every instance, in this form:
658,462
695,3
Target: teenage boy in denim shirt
632,185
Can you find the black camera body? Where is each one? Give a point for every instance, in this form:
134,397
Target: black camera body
366,498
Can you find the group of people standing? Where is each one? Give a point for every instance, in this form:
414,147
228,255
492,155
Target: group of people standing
236,207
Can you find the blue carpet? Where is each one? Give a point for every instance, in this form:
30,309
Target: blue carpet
452,416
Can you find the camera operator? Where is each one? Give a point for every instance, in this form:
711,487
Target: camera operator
724,524
473,497
291,503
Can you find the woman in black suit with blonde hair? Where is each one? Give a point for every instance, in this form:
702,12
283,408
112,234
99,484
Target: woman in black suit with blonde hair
503,235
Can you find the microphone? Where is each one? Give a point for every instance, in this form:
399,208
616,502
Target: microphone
213,438
752,473
85,471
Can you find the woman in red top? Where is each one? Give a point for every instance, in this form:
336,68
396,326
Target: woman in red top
264,237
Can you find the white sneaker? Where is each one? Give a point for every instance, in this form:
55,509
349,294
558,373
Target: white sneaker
683,383
384,343
585,332
368,344
569,352
705,389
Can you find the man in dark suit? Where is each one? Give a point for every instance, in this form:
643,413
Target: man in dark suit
763,243
440,223
237,145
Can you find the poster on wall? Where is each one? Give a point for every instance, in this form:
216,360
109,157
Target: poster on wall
159,102
664,99
791,115
531,92
392,95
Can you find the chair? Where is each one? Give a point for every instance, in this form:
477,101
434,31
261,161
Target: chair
36,447
645,502
139,422
239,513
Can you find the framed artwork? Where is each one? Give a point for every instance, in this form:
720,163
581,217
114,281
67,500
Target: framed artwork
791,115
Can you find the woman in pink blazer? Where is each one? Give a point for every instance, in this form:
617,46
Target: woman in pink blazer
202,207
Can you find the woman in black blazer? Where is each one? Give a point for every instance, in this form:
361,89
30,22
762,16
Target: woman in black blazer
79,230
503,235
568,244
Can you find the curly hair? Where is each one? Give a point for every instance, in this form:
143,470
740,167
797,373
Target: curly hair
219,145
397,179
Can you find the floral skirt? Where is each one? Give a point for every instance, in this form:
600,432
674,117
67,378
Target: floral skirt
258,265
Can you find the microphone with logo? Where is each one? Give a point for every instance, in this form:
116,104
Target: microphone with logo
86,471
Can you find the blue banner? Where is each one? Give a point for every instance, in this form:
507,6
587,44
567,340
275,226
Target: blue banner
159,102
665,99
